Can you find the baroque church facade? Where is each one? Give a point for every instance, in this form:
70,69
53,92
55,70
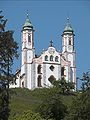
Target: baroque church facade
41,71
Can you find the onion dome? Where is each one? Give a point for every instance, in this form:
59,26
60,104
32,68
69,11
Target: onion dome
27,23
68,27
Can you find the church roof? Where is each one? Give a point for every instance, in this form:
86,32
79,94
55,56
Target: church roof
27,22
68,27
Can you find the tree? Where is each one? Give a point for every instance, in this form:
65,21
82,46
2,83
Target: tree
4,109
63,86
85,81
8,51
80,107
52,106
29,115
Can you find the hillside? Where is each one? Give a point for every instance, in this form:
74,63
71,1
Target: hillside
24,99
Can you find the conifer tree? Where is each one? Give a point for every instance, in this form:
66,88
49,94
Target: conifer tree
8,51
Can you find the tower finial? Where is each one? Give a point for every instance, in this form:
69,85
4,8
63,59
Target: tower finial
27,14
51,43
67,20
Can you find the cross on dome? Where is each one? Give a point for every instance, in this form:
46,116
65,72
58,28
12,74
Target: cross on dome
51,43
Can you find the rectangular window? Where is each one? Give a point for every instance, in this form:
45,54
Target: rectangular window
62,71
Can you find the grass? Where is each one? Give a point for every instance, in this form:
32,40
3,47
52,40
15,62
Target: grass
24,99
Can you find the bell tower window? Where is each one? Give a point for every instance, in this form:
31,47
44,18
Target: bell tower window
70,41
29,38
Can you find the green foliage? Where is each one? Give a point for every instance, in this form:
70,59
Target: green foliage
85,81
49,102
80,108
63,86
24,100
8,50
52,107
29,115
4,109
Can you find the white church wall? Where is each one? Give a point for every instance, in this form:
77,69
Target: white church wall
73,74
50,73
66,73
70,58
29,76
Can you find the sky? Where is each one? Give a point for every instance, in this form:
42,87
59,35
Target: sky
49,18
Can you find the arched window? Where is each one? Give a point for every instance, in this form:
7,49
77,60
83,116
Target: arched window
62,71
39,81
39,69
46,58
70,41
51,58
23,84
29,38
56,58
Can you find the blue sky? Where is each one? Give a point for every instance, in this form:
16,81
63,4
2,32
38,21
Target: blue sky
49,19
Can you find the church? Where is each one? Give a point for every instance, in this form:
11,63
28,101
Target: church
40,71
